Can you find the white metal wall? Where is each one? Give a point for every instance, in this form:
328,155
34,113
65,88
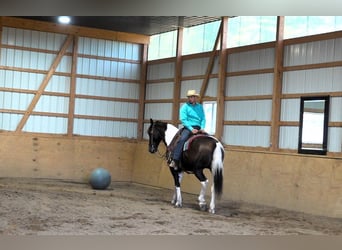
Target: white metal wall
251,86
107,84
311,81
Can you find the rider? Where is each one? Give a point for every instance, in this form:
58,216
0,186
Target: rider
192,117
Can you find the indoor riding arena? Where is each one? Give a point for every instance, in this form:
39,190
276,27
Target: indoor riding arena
79,97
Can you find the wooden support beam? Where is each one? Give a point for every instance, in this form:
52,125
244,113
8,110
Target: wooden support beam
44,83
277,85
73,87
211,62
142,91
178,78
222,79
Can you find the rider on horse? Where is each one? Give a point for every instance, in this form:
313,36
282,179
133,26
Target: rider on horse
192,116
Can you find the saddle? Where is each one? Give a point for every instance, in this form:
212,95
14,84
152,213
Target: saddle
186,145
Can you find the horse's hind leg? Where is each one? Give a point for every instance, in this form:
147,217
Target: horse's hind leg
204,183
201,198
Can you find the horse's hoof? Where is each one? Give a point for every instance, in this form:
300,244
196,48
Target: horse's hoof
203,207
212,211
177,205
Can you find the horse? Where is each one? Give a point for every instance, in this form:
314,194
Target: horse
202,152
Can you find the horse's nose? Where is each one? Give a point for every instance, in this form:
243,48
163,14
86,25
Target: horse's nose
152,149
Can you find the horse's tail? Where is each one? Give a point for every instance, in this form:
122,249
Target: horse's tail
217,168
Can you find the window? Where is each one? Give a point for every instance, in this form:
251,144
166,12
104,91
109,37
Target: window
298,26
247,30
210,115
162,45
200,38
313,130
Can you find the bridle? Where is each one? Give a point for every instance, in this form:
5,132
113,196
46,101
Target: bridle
159,154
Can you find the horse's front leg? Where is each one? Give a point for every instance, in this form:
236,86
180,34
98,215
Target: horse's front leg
177,195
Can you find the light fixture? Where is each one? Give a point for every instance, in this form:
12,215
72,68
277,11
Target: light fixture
64,19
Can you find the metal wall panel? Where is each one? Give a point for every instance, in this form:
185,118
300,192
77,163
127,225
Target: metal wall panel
195,67
32,38
251,110
107,48
60,84
161,71
335,109
46,124
334,139
105,88
288,137
157,91
252,136
211,90
250,60
106,68
313,80
89,127
106,108
158,111
249,85
9,122
290,110
52,104
15,101
313,52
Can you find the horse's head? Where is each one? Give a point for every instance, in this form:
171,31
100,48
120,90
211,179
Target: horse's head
156,133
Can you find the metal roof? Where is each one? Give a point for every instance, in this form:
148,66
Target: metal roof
145,25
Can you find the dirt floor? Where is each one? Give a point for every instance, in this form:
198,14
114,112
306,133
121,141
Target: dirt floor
56,207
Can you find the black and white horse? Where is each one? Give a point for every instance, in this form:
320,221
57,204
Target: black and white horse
203,152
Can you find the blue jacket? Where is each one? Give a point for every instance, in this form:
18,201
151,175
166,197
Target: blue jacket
192,115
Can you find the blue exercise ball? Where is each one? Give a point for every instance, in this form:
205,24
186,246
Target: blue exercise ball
100,178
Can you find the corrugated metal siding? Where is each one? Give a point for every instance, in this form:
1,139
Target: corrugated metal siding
290,109
249,85
313,52
288,137
335,139
20,80
161,71
157,91
313,81
253,136
198,66
106,88
9,122
253,110
97,58
158,111
106,108
90,127
46,124
32,38
250,60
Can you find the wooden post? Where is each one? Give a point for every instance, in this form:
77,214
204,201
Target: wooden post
222,79
72,88
178,78
142,91
277,84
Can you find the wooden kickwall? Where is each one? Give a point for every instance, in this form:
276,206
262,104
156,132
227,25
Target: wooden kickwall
310,184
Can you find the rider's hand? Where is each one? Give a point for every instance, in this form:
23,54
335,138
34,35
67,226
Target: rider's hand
195,131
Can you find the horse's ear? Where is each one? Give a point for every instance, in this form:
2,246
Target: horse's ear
151,120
